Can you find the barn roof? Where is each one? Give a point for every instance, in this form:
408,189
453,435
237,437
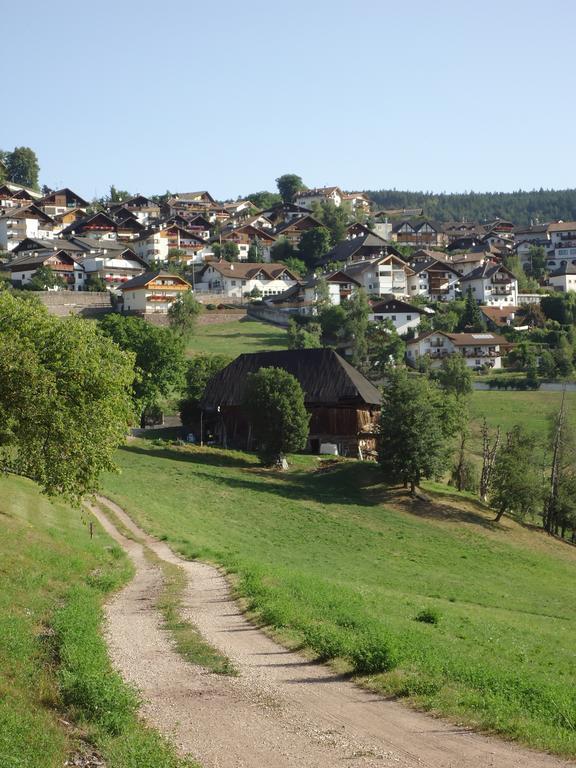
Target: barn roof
325,377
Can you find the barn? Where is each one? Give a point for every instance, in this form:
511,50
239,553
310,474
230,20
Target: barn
344,406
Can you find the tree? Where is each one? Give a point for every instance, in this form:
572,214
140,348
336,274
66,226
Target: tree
472,318
415,427
118,195
295,265
65,401
45,279
537,262
283,250
314,245
335,219
264,200
255,253
22,167
332,319
274,403
159,357
489,452
183,314
95,284
200,370
563,356
560,503
516,485
229,251
321,296
385,347
357,309
304,336
455,376
288,186
560,307
547,366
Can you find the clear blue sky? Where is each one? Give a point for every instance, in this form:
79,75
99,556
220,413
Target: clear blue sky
226,96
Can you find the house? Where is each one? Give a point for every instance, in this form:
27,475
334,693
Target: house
492,284
15,195
478,349
403,316
190,202
358,202
143,208
293,229
116,266
434,279
418,232
56,203
468,262
246,236
159,243
65,266
17,224
344,406
562,247
240,279
64,220
499,317
365,246
381,276
153,292
301,298
282,212
462,234
564,278
320,195
97,226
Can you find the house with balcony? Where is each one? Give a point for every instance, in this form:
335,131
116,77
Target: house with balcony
157,244
320,195
479,350
381,276
142,208
17,224
191,202
564,278
15,195
96,226
492,284
367,245
562,245
403,316
115,266
69,269
236,280
249,235
153,293
62,200
434,279
418,232
302,297
293,229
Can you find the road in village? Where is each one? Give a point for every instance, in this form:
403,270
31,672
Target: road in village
281,710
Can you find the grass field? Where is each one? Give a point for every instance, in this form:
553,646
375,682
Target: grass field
332,559
235,337
53,660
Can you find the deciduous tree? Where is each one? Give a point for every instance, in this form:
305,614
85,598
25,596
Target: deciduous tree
288,186
314,244
183,314
275,405
22,167
516,486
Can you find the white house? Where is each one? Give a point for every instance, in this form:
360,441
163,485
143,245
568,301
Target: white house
320,195
115,267
153,292
248,235
68,268
492,284
433,279
303,297
477,349
156,244
402,315
381,276
239,279
17,224
563,279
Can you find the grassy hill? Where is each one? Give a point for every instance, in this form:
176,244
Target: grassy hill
53,661
480,618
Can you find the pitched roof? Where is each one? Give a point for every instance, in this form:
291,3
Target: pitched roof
28,260
325,377
248,269
69,194
488,269
390,304
346,249
463,339
565,269
562,226
25,212
142,280
46,244
80,223
498,315
421,265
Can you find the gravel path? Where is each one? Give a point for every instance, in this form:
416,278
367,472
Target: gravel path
282,711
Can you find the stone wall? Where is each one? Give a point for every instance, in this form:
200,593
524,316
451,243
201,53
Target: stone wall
87,304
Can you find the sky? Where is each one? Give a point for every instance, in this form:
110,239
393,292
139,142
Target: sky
227,96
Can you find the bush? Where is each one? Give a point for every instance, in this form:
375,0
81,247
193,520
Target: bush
374,653
428,616
328,642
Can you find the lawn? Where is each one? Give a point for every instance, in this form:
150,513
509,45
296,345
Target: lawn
53,661
332,559
236,337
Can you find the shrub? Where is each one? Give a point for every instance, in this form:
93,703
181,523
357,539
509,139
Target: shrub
374,653
328,642
428,616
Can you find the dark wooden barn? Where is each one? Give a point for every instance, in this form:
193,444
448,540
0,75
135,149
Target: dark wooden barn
344,406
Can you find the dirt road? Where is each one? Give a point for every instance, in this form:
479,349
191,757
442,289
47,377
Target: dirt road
282,710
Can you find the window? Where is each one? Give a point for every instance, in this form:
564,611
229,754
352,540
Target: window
233,282
393,317
408,317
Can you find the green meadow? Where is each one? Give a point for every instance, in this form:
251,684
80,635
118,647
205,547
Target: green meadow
430,602
235,337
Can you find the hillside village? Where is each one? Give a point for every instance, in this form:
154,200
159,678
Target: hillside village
282,258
